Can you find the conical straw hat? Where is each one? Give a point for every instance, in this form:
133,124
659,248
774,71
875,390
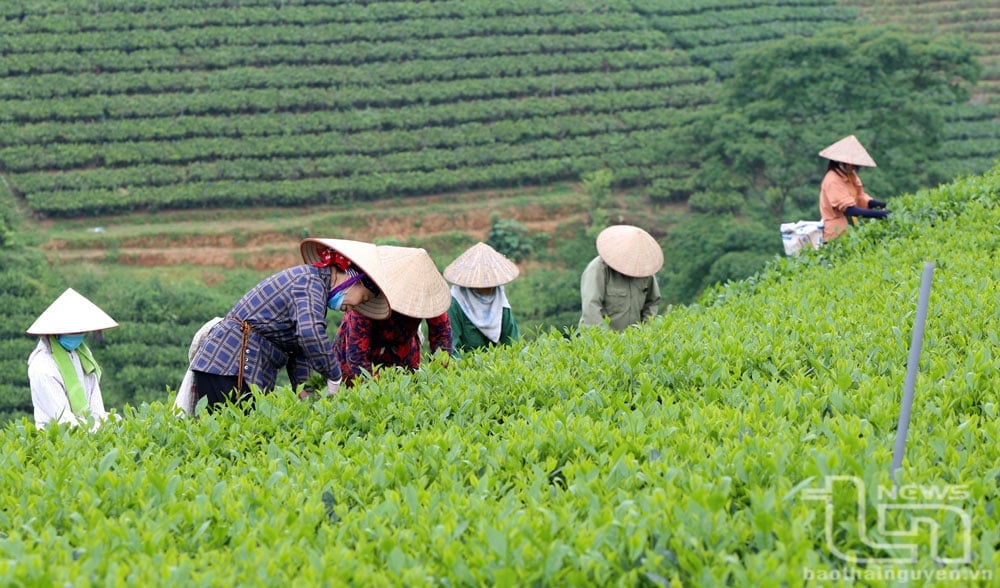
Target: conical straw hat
416,288
481,266
361,254
630,250
848,150
71,313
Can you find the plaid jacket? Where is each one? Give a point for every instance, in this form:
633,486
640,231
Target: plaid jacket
287,316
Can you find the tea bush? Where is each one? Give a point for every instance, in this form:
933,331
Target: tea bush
687,451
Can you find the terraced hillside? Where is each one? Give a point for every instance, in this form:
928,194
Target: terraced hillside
973,135
111,106
118,105
976,21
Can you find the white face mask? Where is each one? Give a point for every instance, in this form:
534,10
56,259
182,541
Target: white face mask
484,298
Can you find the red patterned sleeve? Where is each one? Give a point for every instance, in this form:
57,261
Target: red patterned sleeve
439,333
356,356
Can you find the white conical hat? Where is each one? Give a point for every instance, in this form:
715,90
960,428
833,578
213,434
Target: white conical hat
416,288
848,150
362,255
481,266
630,250
71,313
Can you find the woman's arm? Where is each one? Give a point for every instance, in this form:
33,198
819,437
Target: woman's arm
439,333
593,283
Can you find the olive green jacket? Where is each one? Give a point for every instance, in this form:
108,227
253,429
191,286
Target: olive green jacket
608,293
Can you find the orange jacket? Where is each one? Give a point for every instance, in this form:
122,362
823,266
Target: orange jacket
837,192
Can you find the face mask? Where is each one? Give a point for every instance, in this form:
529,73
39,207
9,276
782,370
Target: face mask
336,299
70,342
338,294
485,298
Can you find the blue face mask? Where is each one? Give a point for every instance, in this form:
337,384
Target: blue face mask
337,295
71,342
336,299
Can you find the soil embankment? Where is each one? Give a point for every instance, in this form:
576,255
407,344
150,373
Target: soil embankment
230,239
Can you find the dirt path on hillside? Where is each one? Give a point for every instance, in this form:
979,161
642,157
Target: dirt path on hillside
227,239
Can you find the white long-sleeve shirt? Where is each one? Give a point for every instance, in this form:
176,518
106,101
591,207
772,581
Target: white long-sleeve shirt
48,393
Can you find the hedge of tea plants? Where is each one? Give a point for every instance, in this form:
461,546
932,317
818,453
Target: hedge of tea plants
114,106
975,20
693,450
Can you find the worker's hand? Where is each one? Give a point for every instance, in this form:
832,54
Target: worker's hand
876,203
332,386
865,212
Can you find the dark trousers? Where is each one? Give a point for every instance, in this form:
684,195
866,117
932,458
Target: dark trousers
220,390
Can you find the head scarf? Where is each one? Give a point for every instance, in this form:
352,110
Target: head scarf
484,311
330,257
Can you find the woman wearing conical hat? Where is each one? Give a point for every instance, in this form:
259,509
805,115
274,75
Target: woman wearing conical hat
65,379
480,313
281,323
416,292
618,288
841,194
